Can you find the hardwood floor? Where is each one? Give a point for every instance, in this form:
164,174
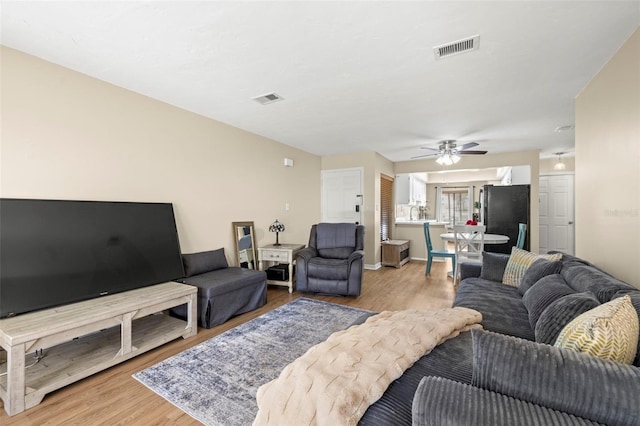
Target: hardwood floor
113,397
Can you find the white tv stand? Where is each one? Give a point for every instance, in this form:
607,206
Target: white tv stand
83,338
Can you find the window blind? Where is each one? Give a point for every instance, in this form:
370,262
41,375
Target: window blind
386,207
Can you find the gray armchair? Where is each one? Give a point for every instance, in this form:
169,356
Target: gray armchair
333,261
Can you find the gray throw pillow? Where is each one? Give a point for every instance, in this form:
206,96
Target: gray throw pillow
541,295
560,313
599,390
205,261
539,269
493,265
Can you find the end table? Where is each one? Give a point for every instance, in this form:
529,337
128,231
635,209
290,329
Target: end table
283,253
395,253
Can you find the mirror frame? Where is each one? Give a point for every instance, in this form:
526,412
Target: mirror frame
237,226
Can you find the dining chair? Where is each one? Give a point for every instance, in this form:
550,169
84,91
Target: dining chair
431,253
469,245
522,233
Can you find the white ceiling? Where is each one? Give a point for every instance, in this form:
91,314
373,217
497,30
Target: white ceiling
356,76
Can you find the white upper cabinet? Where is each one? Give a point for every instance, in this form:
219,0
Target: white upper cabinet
410,189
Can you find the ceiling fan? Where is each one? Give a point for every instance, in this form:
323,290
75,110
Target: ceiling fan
449,152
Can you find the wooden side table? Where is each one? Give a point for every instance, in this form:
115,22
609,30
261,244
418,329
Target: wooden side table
395,253
284,253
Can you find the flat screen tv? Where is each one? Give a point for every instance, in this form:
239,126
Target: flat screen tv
54,252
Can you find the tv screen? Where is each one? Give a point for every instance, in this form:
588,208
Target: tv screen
54,252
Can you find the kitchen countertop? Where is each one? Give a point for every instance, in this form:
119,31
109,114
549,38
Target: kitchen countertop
420,222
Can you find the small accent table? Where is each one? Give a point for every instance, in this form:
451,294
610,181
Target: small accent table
284,253
395,253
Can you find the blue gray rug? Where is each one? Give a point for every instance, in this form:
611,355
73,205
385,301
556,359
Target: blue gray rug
216,381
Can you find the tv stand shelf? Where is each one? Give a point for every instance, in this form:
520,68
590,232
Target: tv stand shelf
83,338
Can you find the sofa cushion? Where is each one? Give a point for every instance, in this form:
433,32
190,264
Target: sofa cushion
451,359
336,240
589,387
560,313
439,401
538,269
519,261
485,296
541,295
221,281
570,259
327,268
588,278
609,331
493,265
206,261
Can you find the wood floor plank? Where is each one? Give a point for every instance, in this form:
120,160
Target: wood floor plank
113,397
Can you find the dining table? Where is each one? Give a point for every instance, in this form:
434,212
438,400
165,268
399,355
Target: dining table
449,237
488,238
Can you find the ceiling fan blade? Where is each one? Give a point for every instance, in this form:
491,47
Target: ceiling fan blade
467,146
472,152
432,149
422,156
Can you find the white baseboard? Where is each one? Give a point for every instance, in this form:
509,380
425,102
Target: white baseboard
373,267
435,259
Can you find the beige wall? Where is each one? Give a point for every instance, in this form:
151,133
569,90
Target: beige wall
69,136
66,135
530,158
607,165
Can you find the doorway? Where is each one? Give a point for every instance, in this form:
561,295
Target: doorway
557,204
342,200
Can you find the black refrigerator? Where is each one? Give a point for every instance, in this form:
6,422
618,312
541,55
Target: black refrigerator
504,207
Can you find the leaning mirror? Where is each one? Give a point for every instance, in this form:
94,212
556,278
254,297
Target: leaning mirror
245,244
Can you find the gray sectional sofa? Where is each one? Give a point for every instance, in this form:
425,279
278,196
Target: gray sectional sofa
510,373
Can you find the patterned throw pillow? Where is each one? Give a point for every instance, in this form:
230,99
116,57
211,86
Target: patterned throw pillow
519,262
609,331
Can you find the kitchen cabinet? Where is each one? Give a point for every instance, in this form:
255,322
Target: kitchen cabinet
410,189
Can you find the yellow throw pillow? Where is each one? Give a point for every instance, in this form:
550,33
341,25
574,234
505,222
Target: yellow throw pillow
519,262
609,331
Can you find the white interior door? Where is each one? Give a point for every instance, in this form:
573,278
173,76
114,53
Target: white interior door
557,229
342,195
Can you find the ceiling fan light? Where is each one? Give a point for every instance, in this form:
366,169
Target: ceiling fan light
455,158
440,160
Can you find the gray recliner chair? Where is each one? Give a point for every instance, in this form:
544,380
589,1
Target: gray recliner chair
333,261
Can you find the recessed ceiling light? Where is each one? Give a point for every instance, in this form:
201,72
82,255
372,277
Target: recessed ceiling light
269,98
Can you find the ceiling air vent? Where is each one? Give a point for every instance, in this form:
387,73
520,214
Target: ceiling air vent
456,47
269,98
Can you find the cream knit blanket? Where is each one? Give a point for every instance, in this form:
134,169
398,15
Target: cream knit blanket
334,382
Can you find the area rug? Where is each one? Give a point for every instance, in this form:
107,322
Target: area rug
216,381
